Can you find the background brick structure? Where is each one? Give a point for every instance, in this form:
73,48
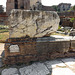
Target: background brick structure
1,9
3,19
65,18
47,8
17,4
64,7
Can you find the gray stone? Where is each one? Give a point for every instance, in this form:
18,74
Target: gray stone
34,69
54,67
14,48
54,64
1,63
54,46
10,71
70,62
33,23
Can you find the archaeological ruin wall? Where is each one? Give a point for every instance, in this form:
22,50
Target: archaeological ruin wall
29,39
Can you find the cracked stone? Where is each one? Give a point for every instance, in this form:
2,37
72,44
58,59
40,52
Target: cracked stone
10,71
33,23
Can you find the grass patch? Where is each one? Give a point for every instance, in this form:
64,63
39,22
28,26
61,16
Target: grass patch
58,34
4,32
4,36
3,27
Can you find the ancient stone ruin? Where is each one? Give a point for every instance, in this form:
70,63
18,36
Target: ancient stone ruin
30,39
25,27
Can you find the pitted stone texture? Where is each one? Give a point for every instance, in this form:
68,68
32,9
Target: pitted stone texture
14,48
33,23
34,69
10,71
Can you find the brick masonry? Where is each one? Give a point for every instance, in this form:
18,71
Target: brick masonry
65,18
17,4
3,19
32,50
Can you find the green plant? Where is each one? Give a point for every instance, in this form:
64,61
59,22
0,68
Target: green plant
55,7
4,27
72,19
59,27
72,9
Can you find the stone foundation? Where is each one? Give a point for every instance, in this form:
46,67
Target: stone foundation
27,50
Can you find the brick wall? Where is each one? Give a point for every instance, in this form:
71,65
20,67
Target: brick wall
66,22
66,14
47,8
3,19
9,6
32,50
65,18
17,4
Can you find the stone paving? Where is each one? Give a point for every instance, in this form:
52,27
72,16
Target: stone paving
1,48
61,66
1,53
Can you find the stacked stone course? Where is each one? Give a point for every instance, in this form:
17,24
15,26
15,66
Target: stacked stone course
32,50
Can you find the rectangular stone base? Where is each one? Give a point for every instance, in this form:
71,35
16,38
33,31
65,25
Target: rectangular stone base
26,50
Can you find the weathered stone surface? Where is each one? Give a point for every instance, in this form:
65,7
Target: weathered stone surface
14,48
32,23
54,46
65,66
54,64
34,69
10,71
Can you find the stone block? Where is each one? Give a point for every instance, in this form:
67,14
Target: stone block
50,47
32,23
73,45
14,48
35,69
10,71
34,50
